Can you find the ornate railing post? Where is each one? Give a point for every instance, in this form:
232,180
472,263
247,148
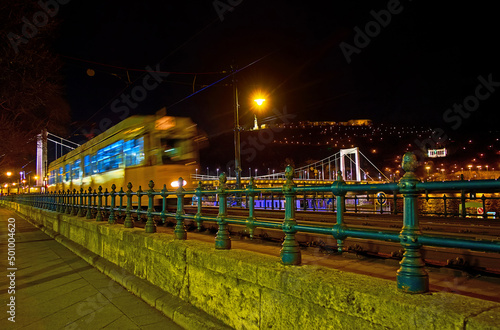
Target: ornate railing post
89,204
62,200
105,206
197,216
45,200
121,193
290,252
59,201
222,240
163,214
99,204
139,205
74,209
68,208
53,201
411,276
340,200
111,218
180,230
129,222
251,207
150,224
80,205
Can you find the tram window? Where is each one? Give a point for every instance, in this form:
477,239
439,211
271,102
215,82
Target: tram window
75,170
52,177
60,175
87,165
134,151
109,157
67,172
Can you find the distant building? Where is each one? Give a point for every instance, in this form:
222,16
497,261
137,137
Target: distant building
352,122
435,153
360,122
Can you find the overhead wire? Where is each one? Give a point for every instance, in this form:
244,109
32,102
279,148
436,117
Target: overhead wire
159,62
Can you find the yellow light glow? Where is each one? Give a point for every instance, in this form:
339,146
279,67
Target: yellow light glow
175,184
9,173
259,101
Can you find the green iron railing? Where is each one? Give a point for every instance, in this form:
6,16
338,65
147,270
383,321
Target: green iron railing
411,276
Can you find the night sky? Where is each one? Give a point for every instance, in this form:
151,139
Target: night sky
411,71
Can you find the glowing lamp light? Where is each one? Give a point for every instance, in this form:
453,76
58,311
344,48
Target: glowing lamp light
175,184
260,101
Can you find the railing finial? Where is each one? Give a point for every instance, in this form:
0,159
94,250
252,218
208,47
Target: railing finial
409,164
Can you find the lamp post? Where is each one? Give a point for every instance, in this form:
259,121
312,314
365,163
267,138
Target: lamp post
237,128
8,183
259,100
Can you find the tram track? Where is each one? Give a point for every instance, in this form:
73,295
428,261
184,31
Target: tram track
464,259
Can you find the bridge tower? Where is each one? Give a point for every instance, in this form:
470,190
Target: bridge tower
348,152
41,157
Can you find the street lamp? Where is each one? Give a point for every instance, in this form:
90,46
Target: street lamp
9,174
260,101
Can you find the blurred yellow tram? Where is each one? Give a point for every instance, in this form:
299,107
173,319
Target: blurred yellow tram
137,150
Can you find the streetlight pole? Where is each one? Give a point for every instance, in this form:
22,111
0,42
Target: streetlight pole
8,183
237,128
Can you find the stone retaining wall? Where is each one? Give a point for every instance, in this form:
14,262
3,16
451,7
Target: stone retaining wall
253,291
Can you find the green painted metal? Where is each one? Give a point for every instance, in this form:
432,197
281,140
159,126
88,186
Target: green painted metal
89,204
339,226
411,276
80,205
197,217
99,205
139,203
121,193
290,251
180,230
112,218
251,207
222,240
150,224
129,222
164,194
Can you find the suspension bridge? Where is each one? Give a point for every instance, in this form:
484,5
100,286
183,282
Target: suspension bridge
324,171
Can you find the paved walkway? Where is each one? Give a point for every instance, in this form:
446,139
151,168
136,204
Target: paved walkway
55,289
